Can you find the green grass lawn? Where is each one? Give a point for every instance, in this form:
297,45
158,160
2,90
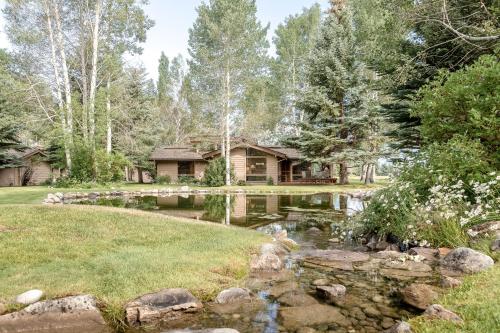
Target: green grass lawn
116,254
477,302
36,194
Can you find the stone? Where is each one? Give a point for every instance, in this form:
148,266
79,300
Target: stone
337,259
306,330
467,260
371,311
3,309
295,317
165,305
282,234
419,295
486,228
280,288
331,293
378,298
296,298
209,330
273,248
402,275
334,240
449,282
425,252
436,311
407,265
70,314
495,245
387,311
29,297
288,243
233,295
313,230
184,189
400,327
387,323
443,251
321,282
389,254
266,262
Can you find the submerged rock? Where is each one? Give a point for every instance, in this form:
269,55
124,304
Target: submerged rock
312,315
296,298
232,295
29,297
436,311
70,314
467,260
165,305
419,295
331,293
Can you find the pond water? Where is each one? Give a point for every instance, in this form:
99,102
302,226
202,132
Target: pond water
372,303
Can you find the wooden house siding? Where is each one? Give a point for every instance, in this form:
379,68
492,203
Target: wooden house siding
199,169
239,161
272,168
167,168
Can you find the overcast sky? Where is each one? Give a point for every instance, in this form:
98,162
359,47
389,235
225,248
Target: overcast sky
173,18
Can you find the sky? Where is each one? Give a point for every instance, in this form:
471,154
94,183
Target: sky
173,18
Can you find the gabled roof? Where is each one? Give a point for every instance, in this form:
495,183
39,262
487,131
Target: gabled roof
248,145
27,153
177,153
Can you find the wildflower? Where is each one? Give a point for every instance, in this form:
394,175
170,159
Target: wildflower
428,221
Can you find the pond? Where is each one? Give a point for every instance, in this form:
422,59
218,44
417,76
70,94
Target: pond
315,222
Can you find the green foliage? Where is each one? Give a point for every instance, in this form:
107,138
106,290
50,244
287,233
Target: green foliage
110,167
9,144
270,181
82,163
464,102
215,173
187,180
214,207
163,180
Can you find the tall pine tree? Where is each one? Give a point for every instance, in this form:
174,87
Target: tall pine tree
337,123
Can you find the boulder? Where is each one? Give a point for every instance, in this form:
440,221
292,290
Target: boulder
336,259
209,330
63,315
467,260
321,282
495,246
331,293
274,248
165,305
449,282
419,295
29,297
436,311
296,298
266,262
400,327
311,315
232,295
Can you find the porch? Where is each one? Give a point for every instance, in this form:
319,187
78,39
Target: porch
303,173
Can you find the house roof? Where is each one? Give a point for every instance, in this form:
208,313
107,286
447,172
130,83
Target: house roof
27,153
189,153
177,153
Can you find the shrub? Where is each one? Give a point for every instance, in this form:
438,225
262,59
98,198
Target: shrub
241,183
163,180
215,173
81,168
187,180
110,167
270,180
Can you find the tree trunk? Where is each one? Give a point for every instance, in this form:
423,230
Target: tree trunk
362,172
372,174
60,102
127,178
139,175
85,92
228,133
344,173
109,132
93,75
367,173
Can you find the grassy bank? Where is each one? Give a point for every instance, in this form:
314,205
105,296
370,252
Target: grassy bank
476,302
116,254
35,194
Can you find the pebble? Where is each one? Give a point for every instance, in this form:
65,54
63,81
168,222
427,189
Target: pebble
29,297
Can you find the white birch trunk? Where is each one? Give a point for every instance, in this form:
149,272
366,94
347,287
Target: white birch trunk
93,74
228,134
60,102
109,133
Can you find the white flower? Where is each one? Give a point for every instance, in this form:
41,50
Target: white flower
428,221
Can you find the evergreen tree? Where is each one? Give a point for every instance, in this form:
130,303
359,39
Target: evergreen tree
335,102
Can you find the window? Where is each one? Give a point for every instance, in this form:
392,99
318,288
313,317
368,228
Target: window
255,152
185,168
301,170
256,169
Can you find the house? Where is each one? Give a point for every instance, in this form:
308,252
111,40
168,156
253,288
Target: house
35,170
252,163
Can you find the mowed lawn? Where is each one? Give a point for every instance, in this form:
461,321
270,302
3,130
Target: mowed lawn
36,194
117,254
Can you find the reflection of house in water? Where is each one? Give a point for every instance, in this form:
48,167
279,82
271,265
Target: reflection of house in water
252,210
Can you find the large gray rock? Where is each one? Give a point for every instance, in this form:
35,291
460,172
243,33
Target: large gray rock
400,327
64,315
29,297
165,305
436,311
336,259
209,330
296,298
467,260
232,295
266,262
311,315
419,295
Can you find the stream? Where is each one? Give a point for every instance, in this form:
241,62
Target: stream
287,301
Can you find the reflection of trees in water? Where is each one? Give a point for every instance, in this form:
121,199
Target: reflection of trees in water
215,207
